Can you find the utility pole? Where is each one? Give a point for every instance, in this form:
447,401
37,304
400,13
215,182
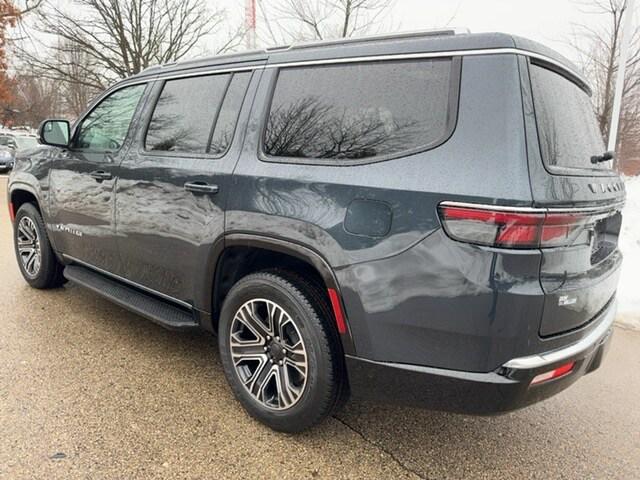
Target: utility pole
250,23
625,37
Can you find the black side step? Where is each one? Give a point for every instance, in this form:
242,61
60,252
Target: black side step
155,309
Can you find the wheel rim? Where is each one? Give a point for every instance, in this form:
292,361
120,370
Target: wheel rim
29,246
268,354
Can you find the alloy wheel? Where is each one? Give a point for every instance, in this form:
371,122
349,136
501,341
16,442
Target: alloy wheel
29,246
269,354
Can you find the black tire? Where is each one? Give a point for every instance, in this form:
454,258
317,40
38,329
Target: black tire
49,273
325,380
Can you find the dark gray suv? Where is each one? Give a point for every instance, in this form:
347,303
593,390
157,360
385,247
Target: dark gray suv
428,219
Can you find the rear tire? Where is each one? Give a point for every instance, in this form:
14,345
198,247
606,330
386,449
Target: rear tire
36,259
280,352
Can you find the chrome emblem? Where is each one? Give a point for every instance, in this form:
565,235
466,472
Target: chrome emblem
58,227
606,187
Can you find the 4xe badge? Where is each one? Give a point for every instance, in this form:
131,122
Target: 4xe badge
565,300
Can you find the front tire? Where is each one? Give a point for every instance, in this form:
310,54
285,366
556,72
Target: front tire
279,350
36,259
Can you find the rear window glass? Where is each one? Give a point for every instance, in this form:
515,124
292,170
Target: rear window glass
567,126
359,110
185,112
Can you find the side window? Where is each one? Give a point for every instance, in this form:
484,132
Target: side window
360,110
197,115
106,127
228,116
184,114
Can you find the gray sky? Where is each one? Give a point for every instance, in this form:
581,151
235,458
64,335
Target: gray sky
551,22
548,21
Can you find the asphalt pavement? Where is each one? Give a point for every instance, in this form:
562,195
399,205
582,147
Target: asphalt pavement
89,390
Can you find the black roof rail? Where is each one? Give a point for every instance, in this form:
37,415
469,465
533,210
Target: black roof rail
378,37
313,44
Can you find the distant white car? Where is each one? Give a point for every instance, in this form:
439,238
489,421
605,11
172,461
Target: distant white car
25,142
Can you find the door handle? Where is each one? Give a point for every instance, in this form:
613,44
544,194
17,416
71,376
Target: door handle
201,187
101,175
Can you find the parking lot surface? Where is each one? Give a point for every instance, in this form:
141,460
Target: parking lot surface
89,390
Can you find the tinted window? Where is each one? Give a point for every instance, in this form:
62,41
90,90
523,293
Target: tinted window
7,141
359,110
228,116
567,125
185,112
106,127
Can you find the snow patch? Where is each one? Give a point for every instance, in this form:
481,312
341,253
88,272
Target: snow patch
629,288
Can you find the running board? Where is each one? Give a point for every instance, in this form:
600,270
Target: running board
159,311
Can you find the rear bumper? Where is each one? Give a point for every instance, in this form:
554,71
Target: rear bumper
507,388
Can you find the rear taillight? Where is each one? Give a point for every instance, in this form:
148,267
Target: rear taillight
12,212
511,228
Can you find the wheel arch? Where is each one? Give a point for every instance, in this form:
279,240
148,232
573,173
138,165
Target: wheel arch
259,252
20,194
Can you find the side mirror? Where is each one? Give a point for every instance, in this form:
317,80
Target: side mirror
54,132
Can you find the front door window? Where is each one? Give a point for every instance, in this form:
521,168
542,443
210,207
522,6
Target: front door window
106,127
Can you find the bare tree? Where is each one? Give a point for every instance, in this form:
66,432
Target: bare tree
598,50
311,128
320,19
74,62
100,41
35,99
11,13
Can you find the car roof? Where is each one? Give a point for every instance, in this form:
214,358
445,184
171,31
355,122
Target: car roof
446,40
18,134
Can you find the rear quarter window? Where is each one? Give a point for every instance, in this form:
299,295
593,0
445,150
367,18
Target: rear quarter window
357,112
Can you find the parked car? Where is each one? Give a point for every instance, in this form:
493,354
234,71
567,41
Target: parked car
18,141
428,219
8,140
26,142
6,158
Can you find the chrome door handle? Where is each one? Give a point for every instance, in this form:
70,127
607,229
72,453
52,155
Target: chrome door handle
101,175
201,187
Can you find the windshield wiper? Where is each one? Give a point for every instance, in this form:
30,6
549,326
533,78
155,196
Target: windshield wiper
605,157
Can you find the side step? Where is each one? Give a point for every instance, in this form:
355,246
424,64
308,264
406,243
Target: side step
157,310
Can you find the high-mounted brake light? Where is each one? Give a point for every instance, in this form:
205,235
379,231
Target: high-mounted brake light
555,373
512,228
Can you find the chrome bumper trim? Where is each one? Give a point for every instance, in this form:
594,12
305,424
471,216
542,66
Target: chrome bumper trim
542,359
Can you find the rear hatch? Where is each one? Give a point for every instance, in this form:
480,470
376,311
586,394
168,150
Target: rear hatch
583,196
